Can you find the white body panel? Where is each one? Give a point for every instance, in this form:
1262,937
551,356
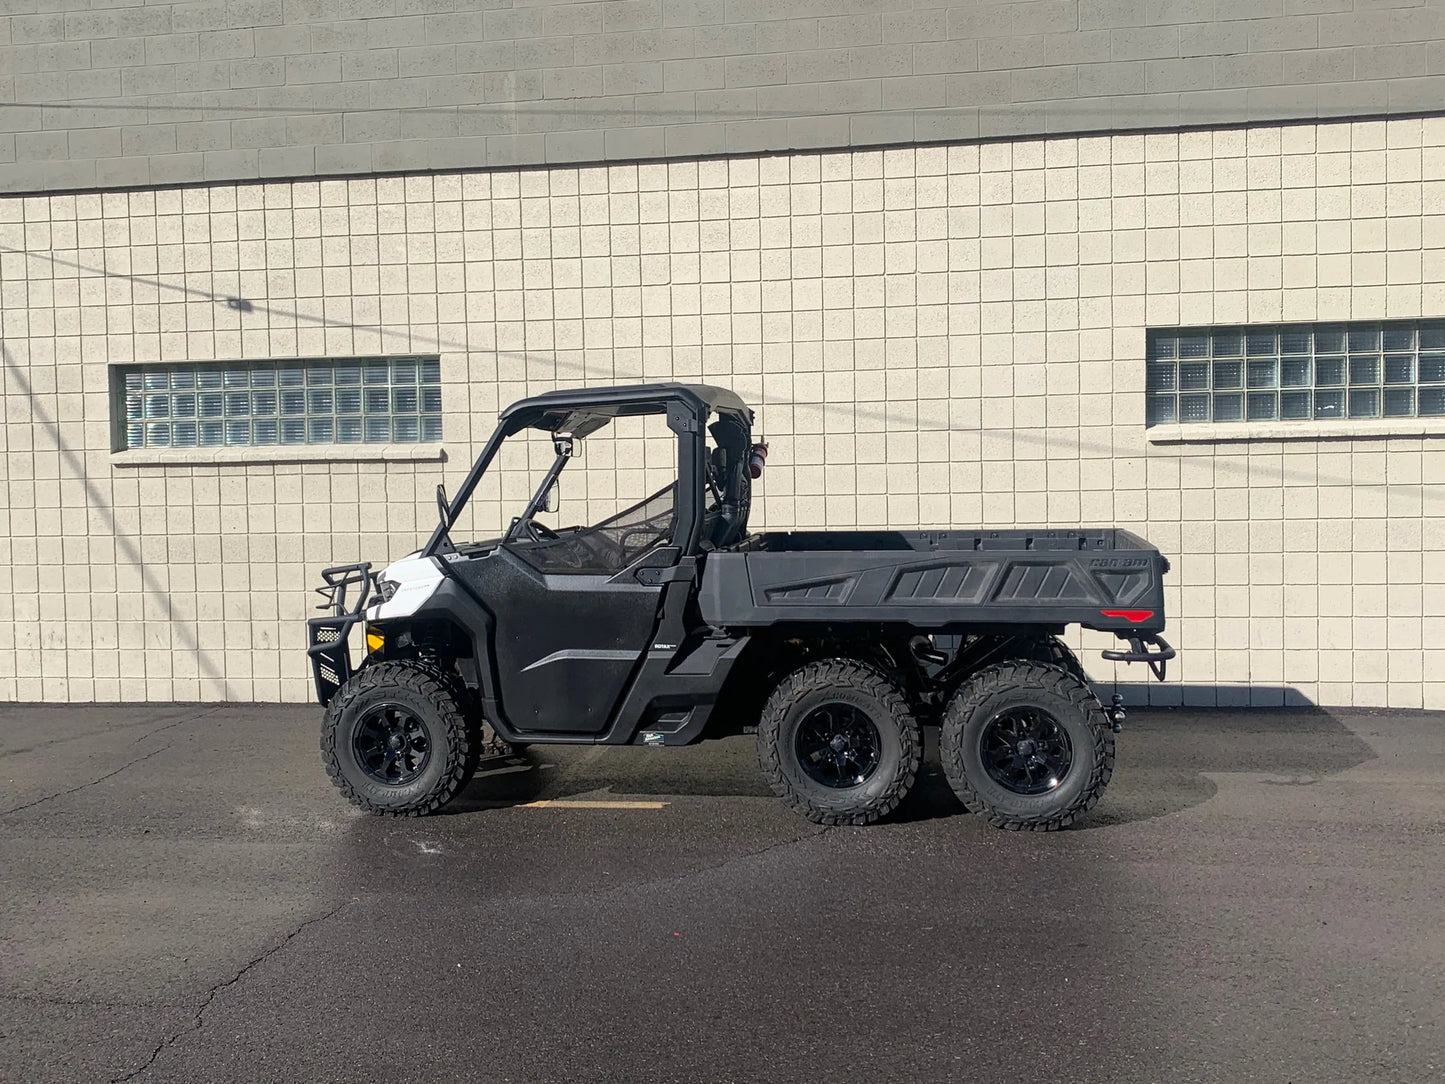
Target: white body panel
416,579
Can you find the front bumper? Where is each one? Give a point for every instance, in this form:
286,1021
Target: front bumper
326,636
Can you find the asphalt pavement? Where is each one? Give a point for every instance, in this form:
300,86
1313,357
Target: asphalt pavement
1260,896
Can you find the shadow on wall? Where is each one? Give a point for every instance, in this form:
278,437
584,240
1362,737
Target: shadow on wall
245,306
582,373
128,549
1135,692
1089,113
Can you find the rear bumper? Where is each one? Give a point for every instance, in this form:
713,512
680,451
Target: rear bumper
1139,651
326,636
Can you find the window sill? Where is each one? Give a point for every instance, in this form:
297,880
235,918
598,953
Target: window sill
302,453
1358,429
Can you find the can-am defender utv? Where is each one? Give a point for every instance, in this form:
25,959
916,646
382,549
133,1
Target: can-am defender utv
668,622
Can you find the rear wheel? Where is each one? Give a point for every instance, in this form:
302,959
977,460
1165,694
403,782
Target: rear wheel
396,742
1052,650
1027,745
838,742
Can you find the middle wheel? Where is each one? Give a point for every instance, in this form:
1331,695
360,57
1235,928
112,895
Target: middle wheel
838,742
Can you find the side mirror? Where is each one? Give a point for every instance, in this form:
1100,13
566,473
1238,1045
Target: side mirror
444,510
553,497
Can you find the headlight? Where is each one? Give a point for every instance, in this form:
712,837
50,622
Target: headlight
385,588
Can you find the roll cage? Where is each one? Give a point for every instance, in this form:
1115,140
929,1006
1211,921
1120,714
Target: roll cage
573,414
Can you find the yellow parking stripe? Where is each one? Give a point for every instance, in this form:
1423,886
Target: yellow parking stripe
582,803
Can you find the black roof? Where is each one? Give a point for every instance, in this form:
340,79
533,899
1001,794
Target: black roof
551,410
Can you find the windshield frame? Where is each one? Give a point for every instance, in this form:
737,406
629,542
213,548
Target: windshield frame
686,422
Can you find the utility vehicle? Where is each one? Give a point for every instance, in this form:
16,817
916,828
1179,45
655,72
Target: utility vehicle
668,622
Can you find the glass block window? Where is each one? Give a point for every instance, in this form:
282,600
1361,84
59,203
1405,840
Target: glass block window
260,403
1297,372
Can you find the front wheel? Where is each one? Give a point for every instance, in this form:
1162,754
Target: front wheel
838,742
396,742
1027,745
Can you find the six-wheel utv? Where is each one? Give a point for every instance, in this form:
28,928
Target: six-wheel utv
668,622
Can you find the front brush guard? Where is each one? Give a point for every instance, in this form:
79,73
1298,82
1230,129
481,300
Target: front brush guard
326,636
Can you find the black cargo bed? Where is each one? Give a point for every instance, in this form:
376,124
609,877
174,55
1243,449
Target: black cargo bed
1106,579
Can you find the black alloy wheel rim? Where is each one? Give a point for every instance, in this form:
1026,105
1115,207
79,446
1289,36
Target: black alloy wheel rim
391,745
838,746
1026,751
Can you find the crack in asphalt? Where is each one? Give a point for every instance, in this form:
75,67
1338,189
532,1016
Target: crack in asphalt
199,1021
682,878
806,837
81,1002
129,764
62,793
179,722
84,735
111,728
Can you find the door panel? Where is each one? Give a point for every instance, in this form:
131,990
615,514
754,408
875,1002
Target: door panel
564,645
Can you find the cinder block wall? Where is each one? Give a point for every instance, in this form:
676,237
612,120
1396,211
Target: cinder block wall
932,336
132,93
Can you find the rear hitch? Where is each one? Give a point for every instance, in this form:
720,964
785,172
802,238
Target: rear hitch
1115,713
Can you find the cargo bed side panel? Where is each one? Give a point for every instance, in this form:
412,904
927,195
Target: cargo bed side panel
936,589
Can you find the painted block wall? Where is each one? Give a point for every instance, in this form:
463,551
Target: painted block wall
131,93
931,336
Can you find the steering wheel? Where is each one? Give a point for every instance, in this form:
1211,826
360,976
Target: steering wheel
540,532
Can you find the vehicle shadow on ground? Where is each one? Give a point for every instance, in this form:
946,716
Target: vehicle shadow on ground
1165,757
722,769
1164,760
512,780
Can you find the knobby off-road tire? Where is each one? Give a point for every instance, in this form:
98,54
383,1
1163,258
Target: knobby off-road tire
1026,745
1055,652
434,756
488,743
838,742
